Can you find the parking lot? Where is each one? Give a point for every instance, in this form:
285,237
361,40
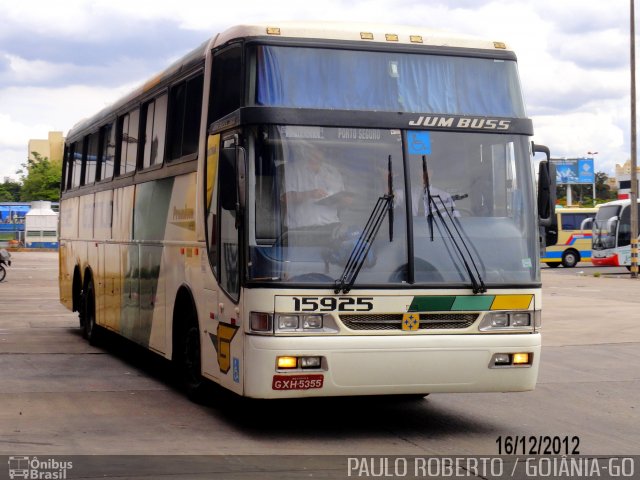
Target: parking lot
58,395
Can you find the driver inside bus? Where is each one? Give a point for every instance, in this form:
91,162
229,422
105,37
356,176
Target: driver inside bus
314,191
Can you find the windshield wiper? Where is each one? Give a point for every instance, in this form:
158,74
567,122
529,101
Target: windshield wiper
478,285
360,251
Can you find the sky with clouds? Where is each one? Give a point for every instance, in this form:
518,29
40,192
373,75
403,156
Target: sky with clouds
60,62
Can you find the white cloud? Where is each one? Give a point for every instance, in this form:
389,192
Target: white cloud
574,135
31,112
573,57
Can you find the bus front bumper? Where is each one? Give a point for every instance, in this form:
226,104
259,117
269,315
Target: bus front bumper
390,365
610,261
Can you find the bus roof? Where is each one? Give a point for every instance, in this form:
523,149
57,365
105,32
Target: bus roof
560,209
356,32
359,32
622,202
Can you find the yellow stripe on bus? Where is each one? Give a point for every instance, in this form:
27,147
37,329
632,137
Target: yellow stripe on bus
511,302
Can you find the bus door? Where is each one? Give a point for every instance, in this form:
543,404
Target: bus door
224,219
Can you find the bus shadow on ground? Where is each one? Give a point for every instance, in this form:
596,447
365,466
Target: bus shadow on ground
311,417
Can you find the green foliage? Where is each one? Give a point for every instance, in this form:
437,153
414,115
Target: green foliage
42,180
10,191
582,193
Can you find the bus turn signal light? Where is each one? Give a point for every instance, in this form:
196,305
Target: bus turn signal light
521,359
287,362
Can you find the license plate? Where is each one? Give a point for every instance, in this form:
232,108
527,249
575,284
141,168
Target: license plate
297,382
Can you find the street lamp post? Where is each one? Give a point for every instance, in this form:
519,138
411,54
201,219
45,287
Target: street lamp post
594,176
633,196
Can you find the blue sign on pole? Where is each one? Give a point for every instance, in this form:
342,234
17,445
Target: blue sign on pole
574,170
586,173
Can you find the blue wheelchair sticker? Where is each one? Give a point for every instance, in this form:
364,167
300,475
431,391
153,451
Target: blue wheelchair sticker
419,143
236,370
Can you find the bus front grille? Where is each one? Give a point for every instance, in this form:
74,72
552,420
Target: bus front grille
393,321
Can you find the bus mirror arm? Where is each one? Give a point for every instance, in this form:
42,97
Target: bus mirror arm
241,170
546,187
587,224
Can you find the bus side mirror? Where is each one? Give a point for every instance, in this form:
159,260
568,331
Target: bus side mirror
612,224
227,174
546,187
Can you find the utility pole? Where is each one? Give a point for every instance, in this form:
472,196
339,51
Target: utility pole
634,150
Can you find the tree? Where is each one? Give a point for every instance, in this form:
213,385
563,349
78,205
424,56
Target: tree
10,190
603,191
42,180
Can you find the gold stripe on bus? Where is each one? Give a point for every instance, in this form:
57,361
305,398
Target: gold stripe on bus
511,302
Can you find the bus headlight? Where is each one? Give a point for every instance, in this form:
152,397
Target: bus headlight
288,322
312,322
304,323
505,321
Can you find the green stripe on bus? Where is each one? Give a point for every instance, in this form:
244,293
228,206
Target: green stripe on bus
431,304
449,303
473,303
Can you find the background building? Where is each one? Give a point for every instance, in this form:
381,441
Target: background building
52,147
623,177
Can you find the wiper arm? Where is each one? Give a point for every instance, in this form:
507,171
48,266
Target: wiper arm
478,285
426,187
365,241
390,195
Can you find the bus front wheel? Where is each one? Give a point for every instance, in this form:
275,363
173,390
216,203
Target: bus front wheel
187,351
553,264
570,259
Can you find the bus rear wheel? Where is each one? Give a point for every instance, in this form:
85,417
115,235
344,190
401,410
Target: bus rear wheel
553,264
90,329
570,259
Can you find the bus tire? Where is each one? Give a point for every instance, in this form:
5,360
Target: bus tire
187,356
553,264
91,330
77,296
570,258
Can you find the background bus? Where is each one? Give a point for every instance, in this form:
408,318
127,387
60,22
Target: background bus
196,221
573,242
612,235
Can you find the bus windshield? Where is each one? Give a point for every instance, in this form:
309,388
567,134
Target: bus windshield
321,78
313,189
604,228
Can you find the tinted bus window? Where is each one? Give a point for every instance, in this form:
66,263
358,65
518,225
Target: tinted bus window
155,126
129,125
226,83
78,148
92,159
572,221
184,124
108,151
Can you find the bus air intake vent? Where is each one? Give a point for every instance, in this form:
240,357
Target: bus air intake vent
393,321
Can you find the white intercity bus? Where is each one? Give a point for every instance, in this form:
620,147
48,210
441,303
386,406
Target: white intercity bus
245,214
612,234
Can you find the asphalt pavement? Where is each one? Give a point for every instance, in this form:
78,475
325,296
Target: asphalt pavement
60,396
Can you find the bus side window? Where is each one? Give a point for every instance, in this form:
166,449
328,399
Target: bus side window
226,82
185,106
107,151
92,159
128,126
77,164
155,122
